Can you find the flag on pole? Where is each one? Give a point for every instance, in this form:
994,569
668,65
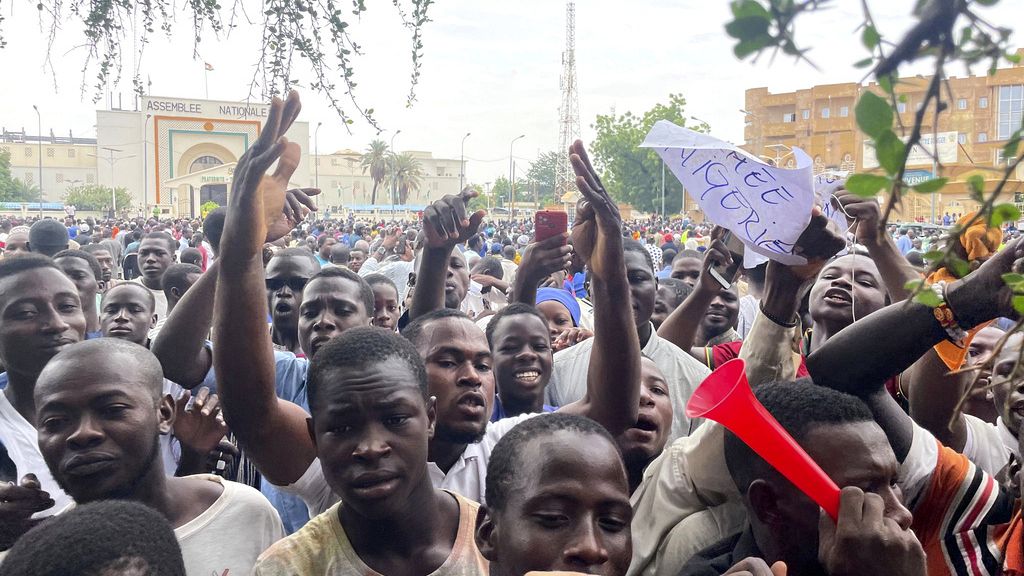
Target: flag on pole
209,67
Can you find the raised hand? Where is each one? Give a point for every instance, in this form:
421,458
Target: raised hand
819,242
18,502
540,260
598,225
865,541
447,221
571,337
862,212
298,203
717,254
983,295
199,426
258,201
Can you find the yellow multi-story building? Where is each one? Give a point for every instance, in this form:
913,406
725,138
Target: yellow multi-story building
67,161
969,136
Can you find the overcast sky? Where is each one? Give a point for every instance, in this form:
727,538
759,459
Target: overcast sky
490,68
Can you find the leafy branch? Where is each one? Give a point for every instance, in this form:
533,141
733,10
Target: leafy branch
315,31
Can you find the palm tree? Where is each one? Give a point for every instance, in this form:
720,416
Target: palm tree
376,160
405,175
20,191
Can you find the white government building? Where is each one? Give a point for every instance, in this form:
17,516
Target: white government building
176,154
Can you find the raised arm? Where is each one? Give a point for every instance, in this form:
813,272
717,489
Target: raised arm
446,222
768,347
540,260
682,325
893,267
613,377
181,344
859,358
272,431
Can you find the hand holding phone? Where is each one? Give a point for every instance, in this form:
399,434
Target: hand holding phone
723,274
548,223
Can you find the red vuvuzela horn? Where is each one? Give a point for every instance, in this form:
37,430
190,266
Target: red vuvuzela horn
726,398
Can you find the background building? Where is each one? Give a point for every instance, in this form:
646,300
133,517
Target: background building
176,154
983,113
67,161
343,183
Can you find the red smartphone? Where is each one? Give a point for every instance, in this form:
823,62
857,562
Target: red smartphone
548,223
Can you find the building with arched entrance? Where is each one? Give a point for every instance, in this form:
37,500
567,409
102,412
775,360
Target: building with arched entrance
175,154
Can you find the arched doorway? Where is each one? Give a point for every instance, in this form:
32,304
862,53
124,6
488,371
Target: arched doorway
215,192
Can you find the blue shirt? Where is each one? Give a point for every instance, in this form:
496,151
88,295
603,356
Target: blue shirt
576,285
499,410
290,385
904,244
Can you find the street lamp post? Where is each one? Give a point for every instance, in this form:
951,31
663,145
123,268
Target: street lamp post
39,131
512,179
145,165
394,157
316,160
462,160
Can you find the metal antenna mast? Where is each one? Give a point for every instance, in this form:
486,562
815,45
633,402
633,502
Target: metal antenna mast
568,112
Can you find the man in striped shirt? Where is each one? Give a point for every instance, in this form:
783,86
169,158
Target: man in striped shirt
967,522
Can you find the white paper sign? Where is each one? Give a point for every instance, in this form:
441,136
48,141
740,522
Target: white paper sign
764,206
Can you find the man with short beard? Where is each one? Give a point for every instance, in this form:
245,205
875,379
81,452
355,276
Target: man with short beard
221,526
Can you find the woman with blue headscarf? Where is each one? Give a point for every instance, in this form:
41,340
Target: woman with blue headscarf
563,315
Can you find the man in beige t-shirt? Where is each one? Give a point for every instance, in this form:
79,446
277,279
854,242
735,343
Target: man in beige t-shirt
372,419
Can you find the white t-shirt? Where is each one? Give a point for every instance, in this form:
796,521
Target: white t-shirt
229,536
989,446
159,296
683,373
467,477
22,443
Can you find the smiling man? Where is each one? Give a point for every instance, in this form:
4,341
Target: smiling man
520,343
98,430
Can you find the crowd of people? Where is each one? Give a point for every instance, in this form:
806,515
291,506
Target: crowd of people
261,391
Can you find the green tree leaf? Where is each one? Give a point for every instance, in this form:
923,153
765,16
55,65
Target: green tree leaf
890,151
867,185
1018,304
1012,279
747,47
870,37
976,183
746,8
748,27
874,115
1005,212
928,298
930,186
